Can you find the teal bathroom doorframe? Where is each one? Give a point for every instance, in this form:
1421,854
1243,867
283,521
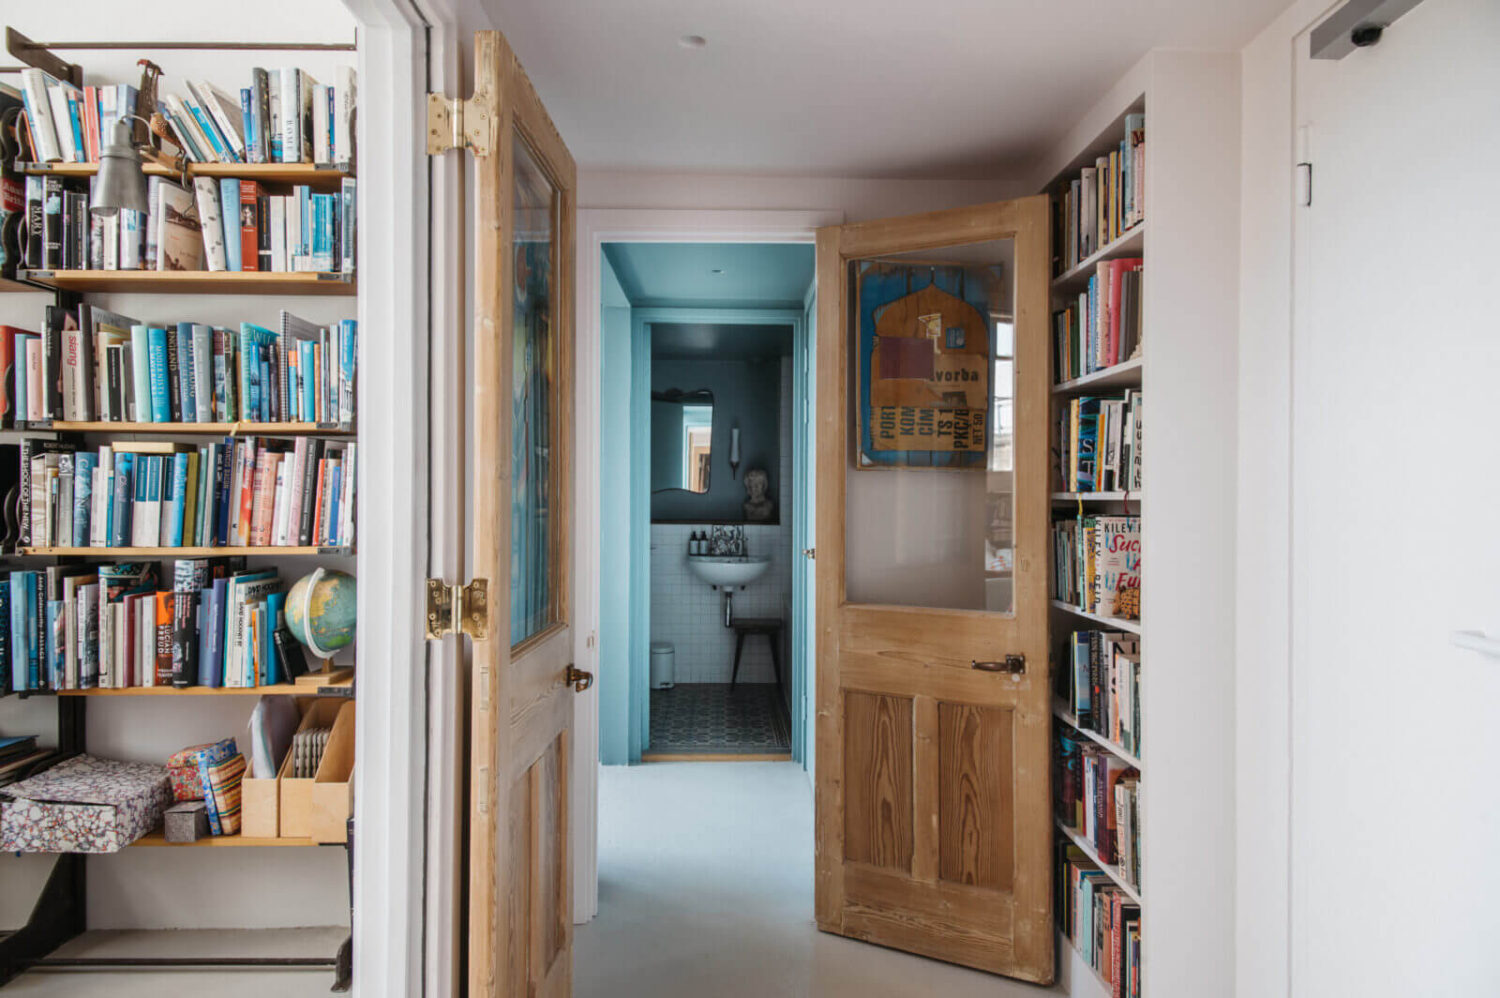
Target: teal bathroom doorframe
641,320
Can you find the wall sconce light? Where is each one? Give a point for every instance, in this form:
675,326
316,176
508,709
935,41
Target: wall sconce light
734,452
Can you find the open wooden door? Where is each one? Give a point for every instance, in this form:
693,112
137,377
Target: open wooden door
933,804
520,875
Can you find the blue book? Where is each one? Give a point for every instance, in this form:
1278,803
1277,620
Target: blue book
250,114
264,388
275,604
229,208
54,643
212,669
251,336
223,478
18,363
75,121
305,372
121,502
161,400
304,195
209,804
186,402
16,599
210,130
321,232
140,371
35,615
84,463
178,498
331,526
348,336
5,641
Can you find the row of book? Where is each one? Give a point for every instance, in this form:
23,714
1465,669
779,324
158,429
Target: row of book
1097,563
241,492
1098,796
90,364
79,627
1100,684
282,116
1103,327
1101,920
20,757
1099,440
1105,201
224,225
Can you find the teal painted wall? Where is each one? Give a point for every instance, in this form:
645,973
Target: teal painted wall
614,524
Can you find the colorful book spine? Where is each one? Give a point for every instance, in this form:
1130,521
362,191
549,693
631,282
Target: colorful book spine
157,381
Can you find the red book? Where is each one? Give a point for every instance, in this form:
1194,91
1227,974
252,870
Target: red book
247,490
249,225
317,526
164,639
1117,269
91,124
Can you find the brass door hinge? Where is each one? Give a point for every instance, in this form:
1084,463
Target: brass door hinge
458,609
454,123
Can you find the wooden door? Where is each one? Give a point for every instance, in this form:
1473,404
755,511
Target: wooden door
520,890
933,797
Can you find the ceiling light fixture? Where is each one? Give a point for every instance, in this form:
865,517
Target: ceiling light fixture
692,41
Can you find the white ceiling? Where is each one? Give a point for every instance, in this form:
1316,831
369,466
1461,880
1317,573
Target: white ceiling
847,88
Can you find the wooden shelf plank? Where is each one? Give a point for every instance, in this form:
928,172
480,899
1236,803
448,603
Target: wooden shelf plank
338,687
1126,374
1109,870
7,286
241,429
1096,496
153,839
269,173
1061,712
182,552
196,282
1075,279
1114,623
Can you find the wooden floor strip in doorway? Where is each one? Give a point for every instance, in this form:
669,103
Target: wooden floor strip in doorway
716,757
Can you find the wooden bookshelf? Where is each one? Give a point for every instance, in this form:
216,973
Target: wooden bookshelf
1126,374
1073,281
196,282
1113,623
1096,497
159,839
183,552
1110,870
339,687
1061,712
264,173
237,429
9,287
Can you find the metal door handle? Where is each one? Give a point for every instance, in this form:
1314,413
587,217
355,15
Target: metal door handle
809,552
1013,664
578,679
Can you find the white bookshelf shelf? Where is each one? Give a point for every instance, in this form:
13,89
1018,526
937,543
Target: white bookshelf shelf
1111,871
1061,712
1075,279
1083,979
1096,497
1126,374
1113,623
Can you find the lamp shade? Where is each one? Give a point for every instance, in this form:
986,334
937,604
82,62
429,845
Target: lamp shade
121,182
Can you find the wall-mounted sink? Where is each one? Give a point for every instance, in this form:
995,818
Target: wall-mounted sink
728,570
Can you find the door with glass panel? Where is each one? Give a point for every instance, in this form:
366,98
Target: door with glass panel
933,803
520,883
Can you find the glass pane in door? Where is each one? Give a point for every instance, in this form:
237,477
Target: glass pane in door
931,478
533,397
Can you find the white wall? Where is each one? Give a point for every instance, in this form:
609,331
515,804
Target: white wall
158,887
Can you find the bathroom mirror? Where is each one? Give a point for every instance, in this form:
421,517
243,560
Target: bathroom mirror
682,432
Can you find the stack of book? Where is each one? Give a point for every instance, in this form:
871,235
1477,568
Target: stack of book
241,492
281,116
1103,327
1105,201
1100,684
222,224
1101,920
96,365
19,755
1095,559
79,627
1100,443
1098,796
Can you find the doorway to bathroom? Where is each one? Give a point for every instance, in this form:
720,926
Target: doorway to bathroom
705,389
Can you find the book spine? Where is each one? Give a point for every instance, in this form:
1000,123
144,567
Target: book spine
174,373
248,230
291,116
122,502
202,366
39,115
211,223
157,381
247,115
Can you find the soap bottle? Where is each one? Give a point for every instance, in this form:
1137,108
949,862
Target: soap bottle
693,544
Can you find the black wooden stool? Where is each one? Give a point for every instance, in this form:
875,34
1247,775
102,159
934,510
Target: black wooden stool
771,628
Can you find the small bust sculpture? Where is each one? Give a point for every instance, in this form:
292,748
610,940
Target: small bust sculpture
758,507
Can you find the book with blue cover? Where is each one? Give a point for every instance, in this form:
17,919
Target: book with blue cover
140,371
20,668
160,395
187,403
229,200
177,498
122,502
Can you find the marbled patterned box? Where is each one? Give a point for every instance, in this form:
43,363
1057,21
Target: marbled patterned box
186,772
83,804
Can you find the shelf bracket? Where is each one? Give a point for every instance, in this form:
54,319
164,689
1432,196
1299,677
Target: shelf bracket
453,609
454,123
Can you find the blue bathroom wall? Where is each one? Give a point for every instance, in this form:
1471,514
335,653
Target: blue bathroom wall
747,394
615,524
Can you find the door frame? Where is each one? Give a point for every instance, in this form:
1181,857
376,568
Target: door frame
597,226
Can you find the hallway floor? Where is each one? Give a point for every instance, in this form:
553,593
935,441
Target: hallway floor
717,718
706,888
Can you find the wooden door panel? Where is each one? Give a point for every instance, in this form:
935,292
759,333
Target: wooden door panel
933,783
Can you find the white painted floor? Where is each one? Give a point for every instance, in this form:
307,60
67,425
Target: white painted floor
706,888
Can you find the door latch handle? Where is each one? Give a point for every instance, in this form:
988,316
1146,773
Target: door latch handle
578,679
1013,664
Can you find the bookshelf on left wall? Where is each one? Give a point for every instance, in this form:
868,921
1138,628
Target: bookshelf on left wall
209,342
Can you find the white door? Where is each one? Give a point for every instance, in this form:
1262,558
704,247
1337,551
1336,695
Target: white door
1396,364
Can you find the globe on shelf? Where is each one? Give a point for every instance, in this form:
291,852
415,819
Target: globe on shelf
320,611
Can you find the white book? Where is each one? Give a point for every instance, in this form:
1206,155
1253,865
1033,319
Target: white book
145,641
211,223
346,94
34,377
306,85
346,497
296,259
110,238
128,240
103,667
322,124
279,505
277,204
227,115
39,114
290,115
120,646
103,496
57,96
294,498
203,374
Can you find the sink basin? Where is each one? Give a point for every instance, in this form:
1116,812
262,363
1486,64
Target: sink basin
726,570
